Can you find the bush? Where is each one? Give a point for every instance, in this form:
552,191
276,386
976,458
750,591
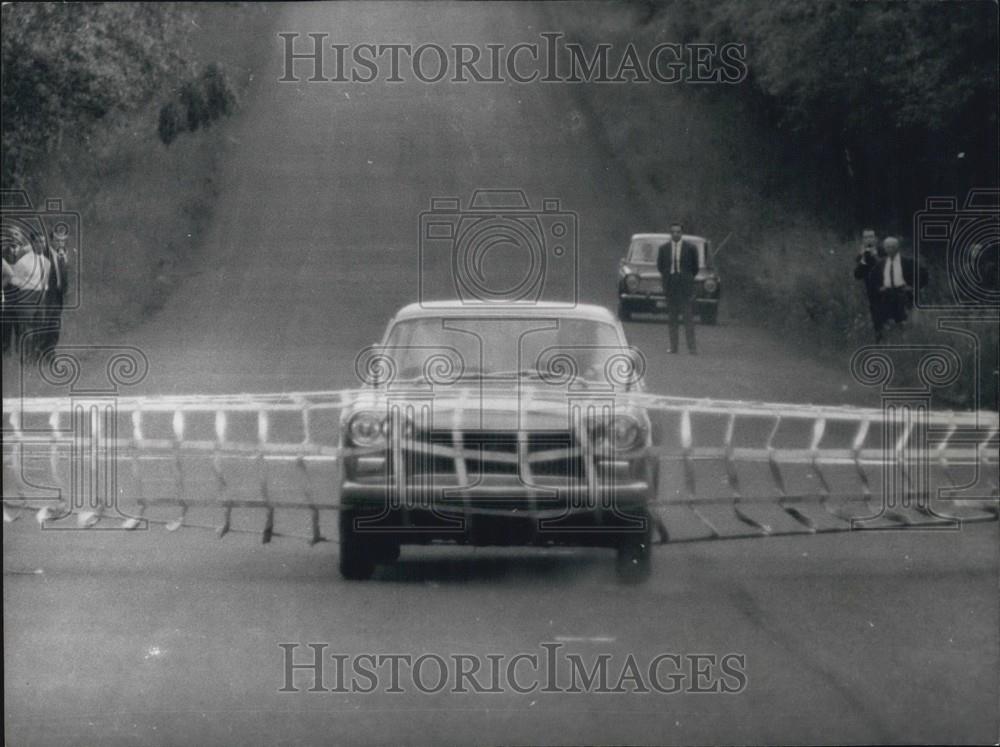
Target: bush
202,100
217,92
193,103
170,123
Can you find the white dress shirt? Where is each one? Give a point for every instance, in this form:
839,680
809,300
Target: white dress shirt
892,273
31,272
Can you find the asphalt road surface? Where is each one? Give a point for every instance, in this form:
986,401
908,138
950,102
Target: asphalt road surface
156,638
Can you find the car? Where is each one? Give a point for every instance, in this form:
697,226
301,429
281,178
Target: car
640,286
497,424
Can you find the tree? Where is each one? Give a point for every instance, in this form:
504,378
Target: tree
68,66
897,90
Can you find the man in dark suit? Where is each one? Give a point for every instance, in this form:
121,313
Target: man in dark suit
865,262
49,315
678,265
890,282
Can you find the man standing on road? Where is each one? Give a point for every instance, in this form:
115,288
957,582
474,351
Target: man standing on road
678,265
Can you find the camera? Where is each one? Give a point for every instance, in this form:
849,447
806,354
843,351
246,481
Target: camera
55,230
498,250
968,239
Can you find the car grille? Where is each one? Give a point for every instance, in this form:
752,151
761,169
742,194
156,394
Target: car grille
547,453
650,285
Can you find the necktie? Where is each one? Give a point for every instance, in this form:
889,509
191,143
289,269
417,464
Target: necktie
889,275
677,258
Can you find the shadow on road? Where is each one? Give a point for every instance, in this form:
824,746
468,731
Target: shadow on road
464,565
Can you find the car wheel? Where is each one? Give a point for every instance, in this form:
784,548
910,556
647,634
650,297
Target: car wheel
624,312
387,551
635,558
709,314
356,561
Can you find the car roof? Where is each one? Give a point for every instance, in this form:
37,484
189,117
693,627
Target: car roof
666,237
433,309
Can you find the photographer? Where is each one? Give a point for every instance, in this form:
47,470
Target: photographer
867,258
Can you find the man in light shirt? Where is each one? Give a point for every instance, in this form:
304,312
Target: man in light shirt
25,288
892,279
30,273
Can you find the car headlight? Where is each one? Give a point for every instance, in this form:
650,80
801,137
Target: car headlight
623,433
631,283
366,429
403,423
711,285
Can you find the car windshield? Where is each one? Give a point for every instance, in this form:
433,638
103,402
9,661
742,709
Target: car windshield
646,250
534,348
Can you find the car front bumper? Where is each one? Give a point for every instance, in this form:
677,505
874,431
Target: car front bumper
659,300
497,495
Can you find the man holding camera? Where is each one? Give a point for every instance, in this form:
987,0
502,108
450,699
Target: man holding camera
889,282
678,266
867,258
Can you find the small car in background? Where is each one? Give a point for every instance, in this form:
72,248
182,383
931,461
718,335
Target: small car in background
640,287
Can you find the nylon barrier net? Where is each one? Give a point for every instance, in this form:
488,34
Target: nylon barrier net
274,464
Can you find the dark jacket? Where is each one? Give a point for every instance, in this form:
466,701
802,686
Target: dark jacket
863,270
689,259
874,272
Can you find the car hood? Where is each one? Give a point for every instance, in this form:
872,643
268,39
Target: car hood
497,406
646,271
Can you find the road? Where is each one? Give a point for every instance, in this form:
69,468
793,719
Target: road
163,639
